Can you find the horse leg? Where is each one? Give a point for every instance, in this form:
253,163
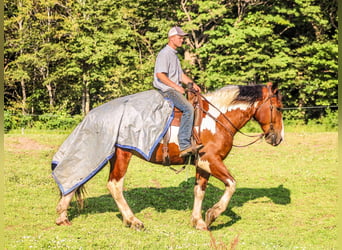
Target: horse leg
62,209
219,170
118,168
199,191
222,205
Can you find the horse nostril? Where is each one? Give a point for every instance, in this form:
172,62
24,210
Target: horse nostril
276,140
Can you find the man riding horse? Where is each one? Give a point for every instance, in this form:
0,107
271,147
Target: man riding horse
168,76
121,128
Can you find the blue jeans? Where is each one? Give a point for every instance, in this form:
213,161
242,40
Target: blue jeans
185,128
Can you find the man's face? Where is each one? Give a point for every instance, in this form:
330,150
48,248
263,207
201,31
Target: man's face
177,40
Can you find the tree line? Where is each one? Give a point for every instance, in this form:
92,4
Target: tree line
69,56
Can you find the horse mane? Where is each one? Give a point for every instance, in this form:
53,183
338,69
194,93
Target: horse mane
235,94
249,93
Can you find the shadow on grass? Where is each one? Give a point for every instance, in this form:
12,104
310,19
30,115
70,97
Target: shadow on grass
180,198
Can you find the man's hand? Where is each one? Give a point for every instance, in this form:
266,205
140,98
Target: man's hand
180,89
186,79
196,87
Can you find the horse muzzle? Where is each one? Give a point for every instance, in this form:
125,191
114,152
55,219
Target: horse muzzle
273,138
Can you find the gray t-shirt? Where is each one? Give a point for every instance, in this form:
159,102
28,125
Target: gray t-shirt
167,62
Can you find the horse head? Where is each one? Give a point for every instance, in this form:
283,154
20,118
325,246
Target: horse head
269,116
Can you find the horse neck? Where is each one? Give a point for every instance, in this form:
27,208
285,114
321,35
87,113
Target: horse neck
238,118
228,121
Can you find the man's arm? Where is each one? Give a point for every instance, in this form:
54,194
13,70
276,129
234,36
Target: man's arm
164,79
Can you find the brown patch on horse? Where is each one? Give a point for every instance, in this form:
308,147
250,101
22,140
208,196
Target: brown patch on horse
177,117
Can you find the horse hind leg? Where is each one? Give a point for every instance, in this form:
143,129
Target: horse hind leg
119,164
62,209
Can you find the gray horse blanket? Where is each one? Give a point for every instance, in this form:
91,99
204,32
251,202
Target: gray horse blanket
135,122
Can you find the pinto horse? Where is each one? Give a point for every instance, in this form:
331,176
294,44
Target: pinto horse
225,112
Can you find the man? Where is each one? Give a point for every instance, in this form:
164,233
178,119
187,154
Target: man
168,76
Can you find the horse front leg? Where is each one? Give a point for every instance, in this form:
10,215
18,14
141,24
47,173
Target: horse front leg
220,206
199,191
219,170
62,209
119,164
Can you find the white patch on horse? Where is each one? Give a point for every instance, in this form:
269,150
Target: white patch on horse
223,100
174,135
208,122
230,182
241,106
205,165
223,97
282,130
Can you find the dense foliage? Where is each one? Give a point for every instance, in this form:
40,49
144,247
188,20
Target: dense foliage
70,56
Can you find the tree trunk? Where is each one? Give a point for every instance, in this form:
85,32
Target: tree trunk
49,85
23,96
51,96
22,81
85,97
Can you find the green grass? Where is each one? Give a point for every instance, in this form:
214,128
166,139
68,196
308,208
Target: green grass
286,198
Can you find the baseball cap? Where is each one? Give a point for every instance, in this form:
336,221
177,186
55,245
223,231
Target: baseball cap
176,31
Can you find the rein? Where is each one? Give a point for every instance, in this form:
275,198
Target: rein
259,136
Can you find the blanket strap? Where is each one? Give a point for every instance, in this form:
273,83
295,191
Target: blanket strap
166,140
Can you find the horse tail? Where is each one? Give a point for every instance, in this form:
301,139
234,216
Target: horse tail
80,195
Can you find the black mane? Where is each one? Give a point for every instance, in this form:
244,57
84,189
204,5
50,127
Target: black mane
249,93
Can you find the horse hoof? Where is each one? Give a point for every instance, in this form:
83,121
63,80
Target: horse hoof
138,226
209,217
199,224
65,222
135,224
202,227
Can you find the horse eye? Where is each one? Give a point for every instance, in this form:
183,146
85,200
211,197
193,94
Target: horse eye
279,109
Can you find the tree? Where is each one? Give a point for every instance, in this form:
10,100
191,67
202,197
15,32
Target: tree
71,56
17,43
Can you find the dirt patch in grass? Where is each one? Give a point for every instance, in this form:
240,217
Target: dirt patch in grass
22,144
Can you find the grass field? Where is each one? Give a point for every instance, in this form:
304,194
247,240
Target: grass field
286,198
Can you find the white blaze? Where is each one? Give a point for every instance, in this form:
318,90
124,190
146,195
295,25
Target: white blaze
282,130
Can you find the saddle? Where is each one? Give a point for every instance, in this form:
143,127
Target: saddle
195,99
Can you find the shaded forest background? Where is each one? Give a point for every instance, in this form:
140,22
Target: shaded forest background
65,57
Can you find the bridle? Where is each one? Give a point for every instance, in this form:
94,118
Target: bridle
271,110
269,97
258,137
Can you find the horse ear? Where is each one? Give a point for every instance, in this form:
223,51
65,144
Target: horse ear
273,87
